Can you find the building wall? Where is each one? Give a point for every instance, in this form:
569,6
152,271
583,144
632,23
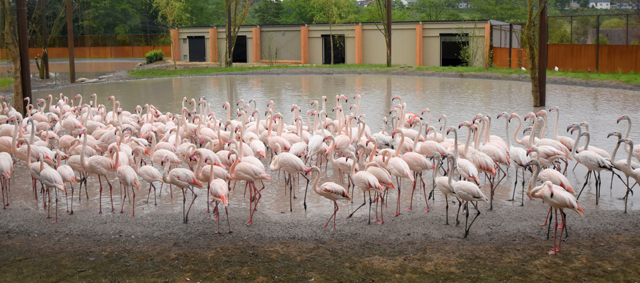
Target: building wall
287,40
284,40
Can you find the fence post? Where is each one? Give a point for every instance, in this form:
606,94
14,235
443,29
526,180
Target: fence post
626,40
543,36
72,67
571,30
597,41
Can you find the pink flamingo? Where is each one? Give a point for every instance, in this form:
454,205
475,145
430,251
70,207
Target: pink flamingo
245,171
67,175
330,191
219,191
6,168
557,199
51,179
182,178
367,182
127,177
99,165
417,163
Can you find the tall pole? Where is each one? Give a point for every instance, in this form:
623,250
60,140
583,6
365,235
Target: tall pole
25,71
45,47
543,36
389,29
72,67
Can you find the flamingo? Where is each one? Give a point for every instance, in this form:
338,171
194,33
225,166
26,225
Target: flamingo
593,161
468,192
219,191
127,177
629,171
99,165
442,183
557,199
245,171
67,175
367,182
6,168
51,179
332,192
635,149
182,178
150,174
517,154
417,163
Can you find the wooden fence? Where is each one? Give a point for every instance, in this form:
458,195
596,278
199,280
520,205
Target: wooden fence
576,57
95,52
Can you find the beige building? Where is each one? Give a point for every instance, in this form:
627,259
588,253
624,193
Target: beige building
413,43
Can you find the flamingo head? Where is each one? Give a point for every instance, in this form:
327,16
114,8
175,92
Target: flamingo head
503,114
339,108
324,98
314,102
344,97
393,134
513,115
111,97
615,133
477,117
395,97
451,129
356,96
426,110
526,130
82,131
554,108
541,112
623,117
572,126
530,115
293,107
623,140
225,105
442,117
163,161
529,151
352,106
464,124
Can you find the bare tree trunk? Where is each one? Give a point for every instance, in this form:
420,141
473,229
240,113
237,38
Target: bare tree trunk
12,46
331,40
530,43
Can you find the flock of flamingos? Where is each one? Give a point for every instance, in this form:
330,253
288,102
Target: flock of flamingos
63,144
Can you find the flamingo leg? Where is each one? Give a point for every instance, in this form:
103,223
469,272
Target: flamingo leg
369,207
332,216
207,211
133,203
458,214
123,198
474,219
71,212
381,210
585,184
250,205
305,191
49,208
364,196
522,192
399,181
290,193
217,217
100,199
190,205
415,180
554,235
226,211
446,200
515,184
56,221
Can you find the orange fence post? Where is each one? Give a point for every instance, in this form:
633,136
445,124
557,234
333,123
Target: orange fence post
358,44
419,45
304,44
255,33
213,45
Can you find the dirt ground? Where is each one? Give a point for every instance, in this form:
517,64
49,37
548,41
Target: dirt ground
505,244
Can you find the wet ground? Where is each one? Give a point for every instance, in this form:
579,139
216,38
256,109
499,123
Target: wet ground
504,244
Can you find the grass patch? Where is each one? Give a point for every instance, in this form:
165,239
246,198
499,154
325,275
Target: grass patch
627,78
5,82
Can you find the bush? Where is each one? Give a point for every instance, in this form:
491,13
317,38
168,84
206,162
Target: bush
154,56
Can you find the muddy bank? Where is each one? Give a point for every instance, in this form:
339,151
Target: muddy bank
504,244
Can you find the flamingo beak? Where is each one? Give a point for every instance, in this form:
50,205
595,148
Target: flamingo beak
528,152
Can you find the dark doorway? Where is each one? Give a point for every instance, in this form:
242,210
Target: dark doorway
240,49
451,46
338,49
197,51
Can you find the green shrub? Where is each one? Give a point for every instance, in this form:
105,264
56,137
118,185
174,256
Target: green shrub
154,56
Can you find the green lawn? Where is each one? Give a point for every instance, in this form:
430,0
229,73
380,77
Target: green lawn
5,82
627,78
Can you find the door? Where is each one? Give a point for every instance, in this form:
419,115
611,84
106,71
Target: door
240,49
338,49
197,51
451,49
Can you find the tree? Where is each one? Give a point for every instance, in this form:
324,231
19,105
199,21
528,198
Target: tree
530,42
205,12
380,10
296,12
57,10
171,14
333,12
237,12
433,9
584,3
10,35
268,12
500,10
558,31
